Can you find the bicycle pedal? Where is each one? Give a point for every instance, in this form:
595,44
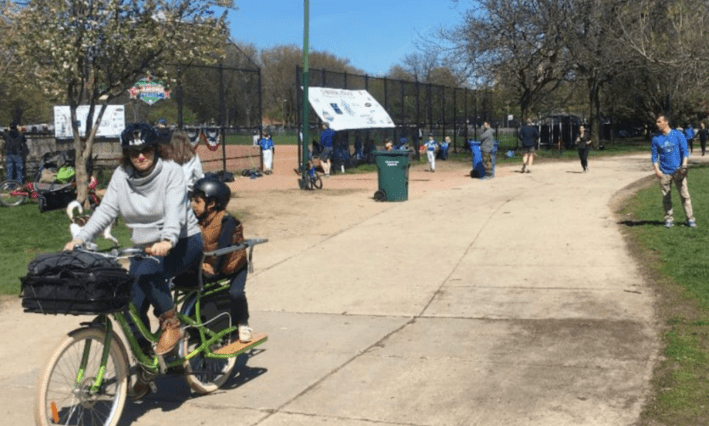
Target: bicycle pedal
153,387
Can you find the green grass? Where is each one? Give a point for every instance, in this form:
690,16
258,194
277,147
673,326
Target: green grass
25,232
674,261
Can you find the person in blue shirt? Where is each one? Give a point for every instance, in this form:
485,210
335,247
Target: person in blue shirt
444,148
431,148
267,149
669,159
326,138
689,135
402,145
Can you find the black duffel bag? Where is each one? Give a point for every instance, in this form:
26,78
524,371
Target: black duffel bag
75,282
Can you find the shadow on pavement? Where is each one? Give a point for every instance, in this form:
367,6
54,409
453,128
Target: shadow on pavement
173,391
242,372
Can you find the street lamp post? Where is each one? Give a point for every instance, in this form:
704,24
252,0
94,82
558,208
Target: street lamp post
306,83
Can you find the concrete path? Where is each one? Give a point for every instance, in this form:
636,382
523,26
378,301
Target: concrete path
503,302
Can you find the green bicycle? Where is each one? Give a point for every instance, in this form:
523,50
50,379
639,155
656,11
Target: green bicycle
86,379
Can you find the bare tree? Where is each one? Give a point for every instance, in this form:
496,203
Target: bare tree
520,43
596,53
671,37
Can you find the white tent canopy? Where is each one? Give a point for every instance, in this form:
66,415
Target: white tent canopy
348,109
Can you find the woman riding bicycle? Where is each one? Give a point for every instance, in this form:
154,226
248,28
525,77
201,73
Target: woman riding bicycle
150,194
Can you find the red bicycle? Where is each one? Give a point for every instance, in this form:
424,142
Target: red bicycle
47,195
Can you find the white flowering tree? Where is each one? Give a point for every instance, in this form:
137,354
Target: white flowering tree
88,52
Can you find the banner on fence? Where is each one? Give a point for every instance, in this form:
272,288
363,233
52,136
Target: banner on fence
348,109
112,123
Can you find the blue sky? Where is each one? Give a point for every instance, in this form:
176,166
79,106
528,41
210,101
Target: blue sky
372,34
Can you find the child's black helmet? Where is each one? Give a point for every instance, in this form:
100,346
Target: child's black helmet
138,136
210,188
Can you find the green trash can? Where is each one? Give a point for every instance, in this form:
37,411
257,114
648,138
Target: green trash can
393,174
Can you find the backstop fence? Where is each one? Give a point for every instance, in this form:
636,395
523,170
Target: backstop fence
417,109
217,105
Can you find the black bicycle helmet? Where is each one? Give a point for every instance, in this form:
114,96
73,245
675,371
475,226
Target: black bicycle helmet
213,189
138,136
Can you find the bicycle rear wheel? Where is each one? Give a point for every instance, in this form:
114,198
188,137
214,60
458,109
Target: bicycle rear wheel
205,375
12,194
64,394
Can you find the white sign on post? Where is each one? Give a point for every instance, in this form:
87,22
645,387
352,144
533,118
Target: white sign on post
112,123
348,109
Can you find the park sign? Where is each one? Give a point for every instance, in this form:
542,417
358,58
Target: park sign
149,91
348,109
112,123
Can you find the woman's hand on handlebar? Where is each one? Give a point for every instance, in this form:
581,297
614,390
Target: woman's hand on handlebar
161,248
73,243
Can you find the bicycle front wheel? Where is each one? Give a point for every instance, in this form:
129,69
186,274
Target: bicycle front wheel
64,390
12,194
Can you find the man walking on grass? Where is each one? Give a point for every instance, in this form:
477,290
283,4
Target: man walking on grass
669,159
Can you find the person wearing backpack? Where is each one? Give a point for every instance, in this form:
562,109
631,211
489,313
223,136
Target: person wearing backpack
151,196
219,230
15,150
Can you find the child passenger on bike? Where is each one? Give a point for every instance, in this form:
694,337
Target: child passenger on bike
219,229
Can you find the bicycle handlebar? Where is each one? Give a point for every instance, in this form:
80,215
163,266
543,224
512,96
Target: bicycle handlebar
139,252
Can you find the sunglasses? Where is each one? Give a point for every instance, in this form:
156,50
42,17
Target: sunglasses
145,151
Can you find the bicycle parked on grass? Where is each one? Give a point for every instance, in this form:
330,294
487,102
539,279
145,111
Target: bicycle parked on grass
54,184
48,195
86,379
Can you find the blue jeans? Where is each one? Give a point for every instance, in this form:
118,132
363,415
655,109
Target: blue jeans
152,278
15,167
237,295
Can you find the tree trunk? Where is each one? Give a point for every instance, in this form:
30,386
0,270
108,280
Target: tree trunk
595,107
83,149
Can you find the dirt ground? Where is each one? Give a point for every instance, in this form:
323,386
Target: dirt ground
274,207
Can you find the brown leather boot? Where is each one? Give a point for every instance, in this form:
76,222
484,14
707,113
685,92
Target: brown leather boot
170,325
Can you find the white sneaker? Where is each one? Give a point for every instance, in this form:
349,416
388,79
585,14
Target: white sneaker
245,333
